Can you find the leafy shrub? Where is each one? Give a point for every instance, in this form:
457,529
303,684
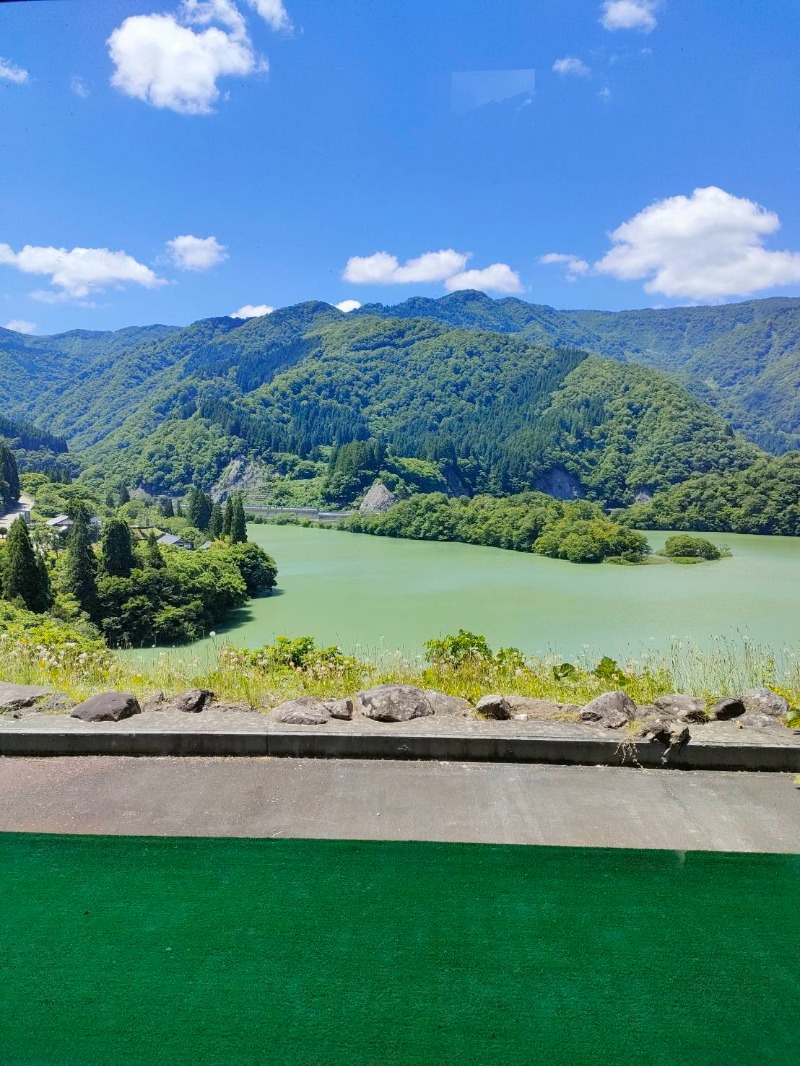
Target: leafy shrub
684,546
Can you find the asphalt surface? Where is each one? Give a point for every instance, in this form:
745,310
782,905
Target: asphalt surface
579,806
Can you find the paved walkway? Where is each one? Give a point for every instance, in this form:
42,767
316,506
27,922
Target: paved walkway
370,800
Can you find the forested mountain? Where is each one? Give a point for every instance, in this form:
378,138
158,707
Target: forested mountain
464,394
35,448
744,358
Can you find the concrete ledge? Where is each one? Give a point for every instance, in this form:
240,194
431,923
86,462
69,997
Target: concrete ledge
309,743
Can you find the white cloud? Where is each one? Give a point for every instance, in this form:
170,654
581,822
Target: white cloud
11,72
499,277
605,94
80,271
79,86
21,325
196,253
576,267
273,12
706,246
629,15
164,61
252,311
348,305
571,65
384,269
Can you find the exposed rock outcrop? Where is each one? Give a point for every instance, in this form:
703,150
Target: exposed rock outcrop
377,500
559,483
684,708
729,707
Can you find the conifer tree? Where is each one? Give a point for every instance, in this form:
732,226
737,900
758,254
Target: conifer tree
9,477
167,510
153,557
25,575
227,522
238,523
80,564
198,508
118,556
216,522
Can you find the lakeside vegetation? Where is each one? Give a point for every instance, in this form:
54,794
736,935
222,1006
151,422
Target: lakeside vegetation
44,650
127,585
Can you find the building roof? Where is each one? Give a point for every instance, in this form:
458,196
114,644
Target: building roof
59,520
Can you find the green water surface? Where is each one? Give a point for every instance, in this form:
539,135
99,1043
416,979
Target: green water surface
373,594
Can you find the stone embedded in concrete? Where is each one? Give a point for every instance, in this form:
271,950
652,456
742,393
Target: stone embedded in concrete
107,707
393,703
729,707
192,701
684,708
17,697
765,701
156,702
749,720
449,706
340,709
493,706
533,707
305,710
612,709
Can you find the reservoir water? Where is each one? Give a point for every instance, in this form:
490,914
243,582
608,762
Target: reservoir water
375,594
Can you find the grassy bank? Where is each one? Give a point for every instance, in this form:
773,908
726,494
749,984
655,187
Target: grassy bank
48,653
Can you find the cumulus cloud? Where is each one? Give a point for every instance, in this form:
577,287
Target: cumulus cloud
629,15
446,265
348,305
78,272
384,269
575,266
499,277
167,62
196,253
11,72
79,86
571,65
706,246
273,12
252,311
21,325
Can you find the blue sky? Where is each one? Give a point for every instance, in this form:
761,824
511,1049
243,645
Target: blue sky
467,141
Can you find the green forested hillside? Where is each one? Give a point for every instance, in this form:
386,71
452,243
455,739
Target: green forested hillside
35,448
743,357
483,396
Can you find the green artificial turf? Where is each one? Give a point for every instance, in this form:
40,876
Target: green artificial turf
170,951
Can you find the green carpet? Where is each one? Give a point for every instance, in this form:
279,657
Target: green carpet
170,951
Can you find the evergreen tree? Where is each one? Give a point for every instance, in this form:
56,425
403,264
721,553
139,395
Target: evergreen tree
9,477
198,509
152,554
178,509
167,510
25,575
118,556
227,521
79,574
238,523
216,522
124,495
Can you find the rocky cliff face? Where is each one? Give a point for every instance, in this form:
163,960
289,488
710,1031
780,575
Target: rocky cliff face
377,500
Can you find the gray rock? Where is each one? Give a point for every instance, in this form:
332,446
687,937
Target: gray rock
393,703
15,697
107,707
750,720
377,500
729,707
305,710
192,701
58,702
673,734
493,706
154,703
765,701
684,708
533,707
449,706
612,709
341,709
521,717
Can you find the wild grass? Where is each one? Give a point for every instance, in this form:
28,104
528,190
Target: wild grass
728,667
